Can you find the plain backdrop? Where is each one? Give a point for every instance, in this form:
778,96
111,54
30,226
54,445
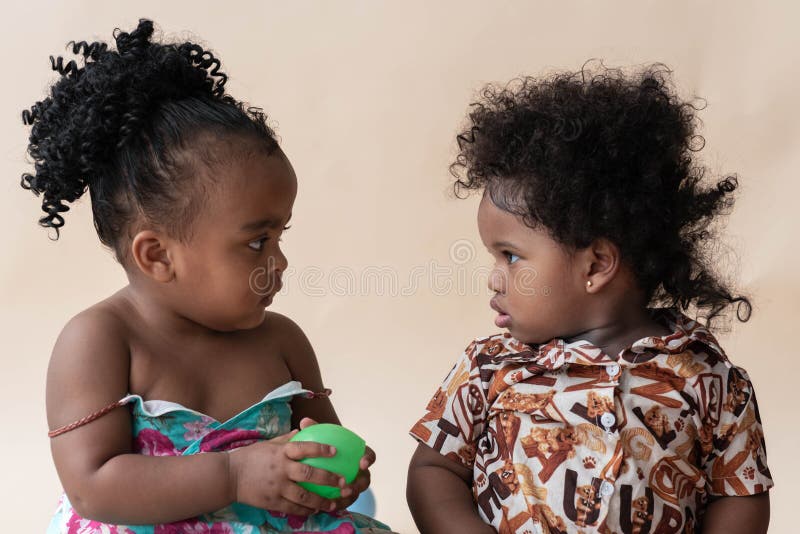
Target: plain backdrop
367,98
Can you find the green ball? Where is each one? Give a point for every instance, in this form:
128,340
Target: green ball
349,451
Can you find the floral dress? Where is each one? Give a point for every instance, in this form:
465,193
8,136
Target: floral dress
162,428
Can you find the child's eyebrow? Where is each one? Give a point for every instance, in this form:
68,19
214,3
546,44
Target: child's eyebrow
269,222
503,244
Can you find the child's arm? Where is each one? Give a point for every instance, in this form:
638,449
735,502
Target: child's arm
736,461
298,354
439,495
106,481
303,366
737,515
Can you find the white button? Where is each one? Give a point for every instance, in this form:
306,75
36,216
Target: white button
607,420
612,370
606,488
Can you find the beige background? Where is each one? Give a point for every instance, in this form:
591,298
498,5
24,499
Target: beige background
367,97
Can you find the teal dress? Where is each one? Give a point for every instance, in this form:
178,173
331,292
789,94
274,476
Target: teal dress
162,428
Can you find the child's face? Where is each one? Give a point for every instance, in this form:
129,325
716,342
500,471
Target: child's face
538,295
233,264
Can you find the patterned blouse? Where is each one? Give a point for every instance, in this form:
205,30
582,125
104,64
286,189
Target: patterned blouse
563,438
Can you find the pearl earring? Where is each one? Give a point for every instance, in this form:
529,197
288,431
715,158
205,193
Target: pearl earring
588,283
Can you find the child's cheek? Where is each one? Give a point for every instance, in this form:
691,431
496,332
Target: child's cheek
524,281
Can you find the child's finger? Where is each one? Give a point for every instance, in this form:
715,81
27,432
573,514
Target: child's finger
291,508
368,459
304,502
306,422
305,473
284,438
361,483
346,501
297,450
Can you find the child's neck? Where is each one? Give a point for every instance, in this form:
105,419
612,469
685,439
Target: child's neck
160,319
616,331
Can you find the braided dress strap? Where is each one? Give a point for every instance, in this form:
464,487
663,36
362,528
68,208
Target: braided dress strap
86,420
321,394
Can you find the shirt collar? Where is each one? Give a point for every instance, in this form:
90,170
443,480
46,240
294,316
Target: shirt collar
686,334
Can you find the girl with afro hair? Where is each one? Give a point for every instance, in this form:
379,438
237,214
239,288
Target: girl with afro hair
607,405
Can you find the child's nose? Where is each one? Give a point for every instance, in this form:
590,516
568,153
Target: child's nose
497,281
278,262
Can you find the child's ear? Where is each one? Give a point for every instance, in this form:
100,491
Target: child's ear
150,252
602,262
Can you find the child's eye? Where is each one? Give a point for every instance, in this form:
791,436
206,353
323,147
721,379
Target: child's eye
511,258
258,244
280,239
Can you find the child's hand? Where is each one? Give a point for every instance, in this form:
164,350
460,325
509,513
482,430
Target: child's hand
360,484
350,492
264,475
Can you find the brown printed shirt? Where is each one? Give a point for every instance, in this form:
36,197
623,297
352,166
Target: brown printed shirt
564,438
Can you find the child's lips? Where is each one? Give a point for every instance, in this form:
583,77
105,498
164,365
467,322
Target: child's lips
275,289
503,320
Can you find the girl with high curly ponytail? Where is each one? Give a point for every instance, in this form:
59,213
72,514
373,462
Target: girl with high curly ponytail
190,190
604,407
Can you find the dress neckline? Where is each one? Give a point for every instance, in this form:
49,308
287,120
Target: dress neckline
157,408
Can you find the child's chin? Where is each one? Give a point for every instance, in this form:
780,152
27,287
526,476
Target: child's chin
517,334
529,338
255,320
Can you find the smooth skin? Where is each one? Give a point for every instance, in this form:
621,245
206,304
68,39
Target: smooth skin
543,288
191,327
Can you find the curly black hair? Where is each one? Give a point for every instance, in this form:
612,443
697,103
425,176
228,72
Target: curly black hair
602,153
130,126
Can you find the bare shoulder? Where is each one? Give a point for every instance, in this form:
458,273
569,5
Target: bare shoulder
278,324
301,361
280,339
89,364
295,349
292,342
